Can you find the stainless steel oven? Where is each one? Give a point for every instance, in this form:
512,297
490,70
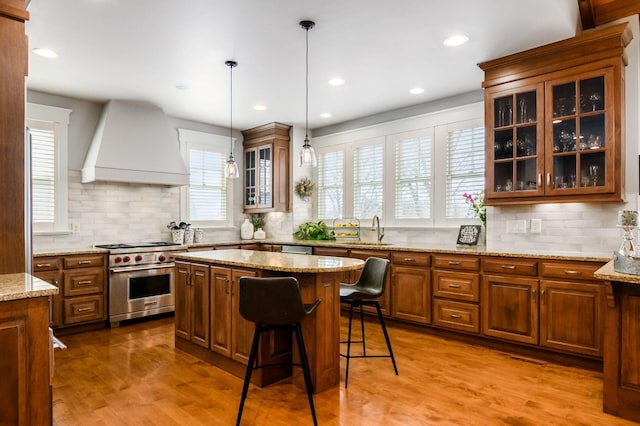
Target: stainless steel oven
141,280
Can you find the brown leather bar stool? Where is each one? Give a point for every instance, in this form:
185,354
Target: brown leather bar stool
275,304
369,287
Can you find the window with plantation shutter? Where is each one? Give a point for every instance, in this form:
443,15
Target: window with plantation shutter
330,184
47,129
368,180
413,178
207,199
464,169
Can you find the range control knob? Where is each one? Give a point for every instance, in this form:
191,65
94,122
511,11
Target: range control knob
126,259
117,259
162,258
138,258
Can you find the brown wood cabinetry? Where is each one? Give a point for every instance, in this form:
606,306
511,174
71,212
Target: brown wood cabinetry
192,303
572,308
266,169
25,397
456,291
553,120
83,285
411,287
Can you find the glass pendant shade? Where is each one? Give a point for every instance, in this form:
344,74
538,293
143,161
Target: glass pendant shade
307,155
231,169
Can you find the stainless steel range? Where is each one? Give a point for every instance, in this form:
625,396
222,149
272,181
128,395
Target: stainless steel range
141,280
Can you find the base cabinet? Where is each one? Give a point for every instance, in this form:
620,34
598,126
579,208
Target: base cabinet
192,303
411,287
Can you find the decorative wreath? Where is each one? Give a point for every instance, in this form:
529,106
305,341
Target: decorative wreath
304,188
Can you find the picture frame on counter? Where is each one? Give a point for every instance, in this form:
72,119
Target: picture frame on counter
469,235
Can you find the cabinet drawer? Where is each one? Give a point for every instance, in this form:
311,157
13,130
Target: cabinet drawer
83,281
510,266
83,309
467,263
330,251
456,315
71,262
456,285
46,264
569,270
411,259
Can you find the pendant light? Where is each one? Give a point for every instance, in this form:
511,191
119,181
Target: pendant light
231,168
307,154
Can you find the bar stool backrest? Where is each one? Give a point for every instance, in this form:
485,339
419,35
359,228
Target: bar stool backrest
274,300
374,276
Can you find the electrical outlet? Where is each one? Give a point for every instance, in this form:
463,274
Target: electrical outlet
516,226
536,226
75,228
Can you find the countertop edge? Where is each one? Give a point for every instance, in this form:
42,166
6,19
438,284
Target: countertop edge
24,286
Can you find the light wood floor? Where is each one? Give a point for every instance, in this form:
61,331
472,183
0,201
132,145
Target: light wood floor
133,375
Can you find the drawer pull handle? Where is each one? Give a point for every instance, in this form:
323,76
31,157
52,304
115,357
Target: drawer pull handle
150,303
572,272
511,267
84,262
454,316
409,259
454,285
83,309
43,265
454,263
85,282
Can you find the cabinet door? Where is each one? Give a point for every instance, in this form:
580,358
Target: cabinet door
411,294
265,176
580,135
221,311
515,142
510,308
200,304
571,316
183,301
241,329
250,178
83,281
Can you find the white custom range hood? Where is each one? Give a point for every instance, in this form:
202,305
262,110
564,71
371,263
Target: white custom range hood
134,143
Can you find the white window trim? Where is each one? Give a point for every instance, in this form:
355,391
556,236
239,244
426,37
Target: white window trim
195,138
60,119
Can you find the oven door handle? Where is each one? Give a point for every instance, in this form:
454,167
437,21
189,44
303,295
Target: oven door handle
142,268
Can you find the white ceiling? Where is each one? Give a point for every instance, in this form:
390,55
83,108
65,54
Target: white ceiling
143,49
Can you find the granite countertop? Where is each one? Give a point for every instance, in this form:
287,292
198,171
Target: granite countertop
23,286
608,273
370,245
273,261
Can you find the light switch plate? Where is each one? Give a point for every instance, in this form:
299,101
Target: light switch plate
536,225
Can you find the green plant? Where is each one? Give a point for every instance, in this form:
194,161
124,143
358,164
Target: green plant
257,220
314,231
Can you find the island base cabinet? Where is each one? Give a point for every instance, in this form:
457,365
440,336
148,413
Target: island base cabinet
192,303
621,393
571,316
25,398
510,308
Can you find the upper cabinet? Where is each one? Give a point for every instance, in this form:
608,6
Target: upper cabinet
553,121
266,169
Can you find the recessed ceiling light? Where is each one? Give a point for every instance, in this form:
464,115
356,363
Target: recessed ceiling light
183,87
260,107
455,40
325,115
416,90
336,81
45,53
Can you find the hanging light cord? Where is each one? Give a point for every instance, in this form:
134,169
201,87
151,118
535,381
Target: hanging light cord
231,110
306,129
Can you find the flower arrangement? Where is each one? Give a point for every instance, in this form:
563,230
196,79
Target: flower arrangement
476,205
257,220
304,188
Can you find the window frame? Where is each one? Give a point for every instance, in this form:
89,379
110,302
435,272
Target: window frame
211,142
40,116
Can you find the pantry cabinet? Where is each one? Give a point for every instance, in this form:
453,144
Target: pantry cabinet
267,181
554,119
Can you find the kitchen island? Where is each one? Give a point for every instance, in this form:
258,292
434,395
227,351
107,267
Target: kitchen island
24,350
209,326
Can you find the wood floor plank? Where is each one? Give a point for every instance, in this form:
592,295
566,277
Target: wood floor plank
133,375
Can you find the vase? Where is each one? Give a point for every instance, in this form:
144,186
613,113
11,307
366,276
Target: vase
246,230
259,234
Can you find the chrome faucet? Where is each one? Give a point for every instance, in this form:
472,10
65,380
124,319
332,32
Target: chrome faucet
375,226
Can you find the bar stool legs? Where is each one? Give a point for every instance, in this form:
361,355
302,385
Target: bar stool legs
349,341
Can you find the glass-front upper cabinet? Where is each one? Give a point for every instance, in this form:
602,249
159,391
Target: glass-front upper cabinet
258,177
554,118
580,159
516,143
